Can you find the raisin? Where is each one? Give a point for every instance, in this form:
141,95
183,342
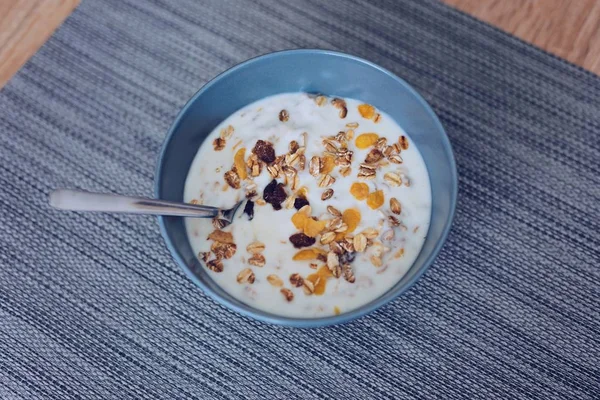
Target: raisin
347,258
300,240
275,194
300,202
264,151
249,209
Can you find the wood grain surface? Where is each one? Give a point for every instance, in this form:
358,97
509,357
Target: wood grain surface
567,28
25,25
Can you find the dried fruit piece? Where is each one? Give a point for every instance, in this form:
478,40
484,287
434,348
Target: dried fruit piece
327,194
264,151
300,240
232,179
215,265
221,236
312,228
308,254
284,115
299,220
327,164
300,202
403,141
395,206
255,247
360,242
219,144
275,280
246,275
366,111
296,280
375,199
366,140
359,190
287,293
392,178
249,209
223,250
351,217
257,260
275,194
240,163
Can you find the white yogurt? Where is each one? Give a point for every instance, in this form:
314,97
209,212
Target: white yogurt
205,184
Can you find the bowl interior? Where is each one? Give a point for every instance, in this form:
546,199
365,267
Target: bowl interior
312,71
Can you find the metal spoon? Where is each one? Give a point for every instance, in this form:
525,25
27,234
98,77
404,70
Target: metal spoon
79,200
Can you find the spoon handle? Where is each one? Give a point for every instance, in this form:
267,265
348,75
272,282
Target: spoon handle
78,200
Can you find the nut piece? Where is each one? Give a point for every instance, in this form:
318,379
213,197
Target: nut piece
374,156
376,261
370,233
388,235
340,104
326,180
215,265
223,250
232,179
327,194
395,206
219,144
255,247
327,237
393,221
287,293
392,178
204,256
309,287
403,141
284,115
314,166
296,280
245,275
360,242
226,132
221,236
348,273
275,280
257,260
320,100
334,211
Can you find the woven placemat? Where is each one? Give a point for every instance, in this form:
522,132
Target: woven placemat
93,306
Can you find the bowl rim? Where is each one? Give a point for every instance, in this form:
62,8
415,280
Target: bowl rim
307,322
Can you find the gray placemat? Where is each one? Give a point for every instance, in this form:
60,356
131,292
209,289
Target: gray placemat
92,306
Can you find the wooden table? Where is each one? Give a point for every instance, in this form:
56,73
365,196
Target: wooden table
567,28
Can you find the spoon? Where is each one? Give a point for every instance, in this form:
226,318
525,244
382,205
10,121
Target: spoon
79,200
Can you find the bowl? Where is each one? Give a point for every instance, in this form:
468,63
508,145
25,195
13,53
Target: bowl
312,71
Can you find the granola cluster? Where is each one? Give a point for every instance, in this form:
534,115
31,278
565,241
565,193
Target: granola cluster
328,243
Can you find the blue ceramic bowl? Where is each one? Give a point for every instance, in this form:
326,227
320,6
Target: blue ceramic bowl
313,71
